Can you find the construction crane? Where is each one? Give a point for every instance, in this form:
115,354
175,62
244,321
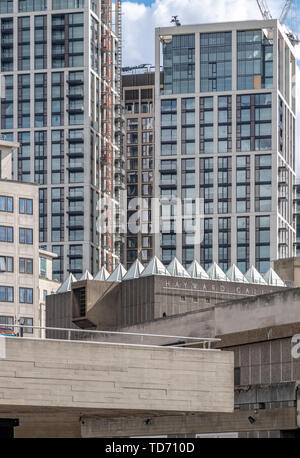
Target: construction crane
289,6
264,9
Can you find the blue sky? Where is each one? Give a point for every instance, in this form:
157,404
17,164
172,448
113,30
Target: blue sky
146,2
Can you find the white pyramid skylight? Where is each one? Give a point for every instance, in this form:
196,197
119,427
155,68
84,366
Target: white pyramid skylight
102,275
195,270
155,267
234,274
272,278
216,273
118,273
253,276
176,269
66,286
135,270
86,276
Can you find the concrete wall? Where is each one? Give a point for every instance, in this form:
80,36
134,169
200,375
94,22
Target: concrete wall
264,311
288,270
104,379
6,149
258,312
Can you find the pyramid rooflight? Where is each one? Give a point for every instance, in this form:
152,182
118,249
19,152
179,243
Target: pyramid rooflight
253,276
86,276
102,275
134,271
118,273
176,269
216,273
234,274
196,271
272,278
155,267
66,286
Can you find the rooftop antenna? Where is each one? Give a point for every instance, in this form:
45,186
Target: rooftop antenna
175,20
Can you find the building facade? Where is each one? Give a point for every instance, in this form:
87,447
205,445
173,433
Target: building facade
225,144
47,285
19,252
60,63
138,96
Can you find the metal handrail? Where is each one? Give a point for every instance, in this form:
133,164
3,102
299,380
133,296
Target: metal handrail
201,340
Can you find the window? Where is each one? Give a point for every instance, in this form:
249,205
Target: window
6,234
255,59
27,322
206,125
263,183
6,6
25,206
6,204
6,264
67,4
32,5
43,267
6,321
26,265
179,64
262,243
26,295
216,66
26,236
6,294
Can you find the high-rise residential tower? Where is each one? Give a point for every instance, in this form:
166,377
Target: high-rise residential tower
60,89
138,96
225,143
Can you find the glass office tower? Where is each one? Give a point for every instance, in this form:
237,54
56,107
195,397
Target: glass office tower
60,67
225,138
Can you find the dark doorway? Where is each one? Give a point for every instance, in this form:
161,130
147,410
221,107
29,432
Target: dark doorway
7,426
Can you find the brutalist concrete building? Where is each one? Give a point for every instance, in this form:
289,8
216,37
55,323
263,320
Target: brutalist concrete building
144,294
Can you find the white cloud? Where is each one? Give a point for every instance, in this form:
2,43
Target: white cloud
140,21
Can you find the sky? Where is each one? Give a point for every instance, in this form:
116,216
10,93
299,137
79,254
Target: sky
140,17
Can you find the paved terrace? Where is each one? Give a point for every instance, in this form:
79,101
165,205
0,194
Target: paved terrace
55,387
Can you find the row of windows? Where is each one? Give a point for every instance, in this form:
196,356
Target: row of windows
7,321
7,235
7,294
6,6
7,265
254,69
25,205
254,126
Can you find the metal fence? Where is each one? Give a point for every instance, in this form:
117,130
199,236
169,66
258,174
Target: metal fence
96,336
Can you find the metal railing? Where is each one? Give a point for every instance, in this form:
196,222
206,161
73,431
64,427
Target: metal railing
94,334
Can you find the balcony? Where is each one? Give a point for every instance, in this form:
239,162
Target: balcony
74,109
75,82
78,139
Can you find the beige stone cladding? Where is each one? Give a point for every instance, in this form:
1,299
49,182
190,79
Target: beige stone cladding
12,248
